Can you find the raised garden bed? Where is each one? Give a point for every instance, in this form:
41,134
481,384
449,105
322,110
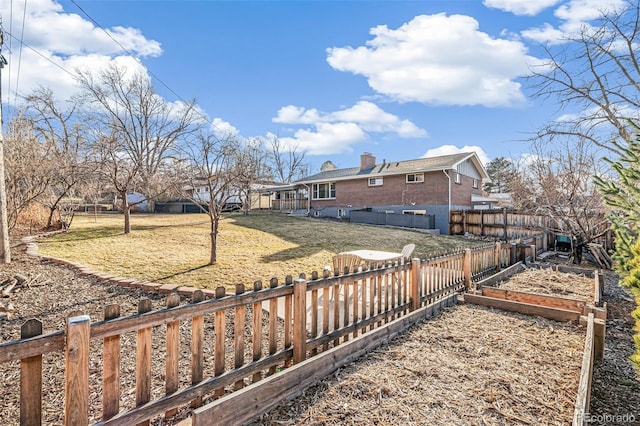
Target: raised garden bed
470,365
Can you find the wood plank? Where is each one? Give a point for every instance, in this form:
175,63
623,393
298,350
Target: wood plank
173,353
256,332
414,285
244,405
314,317
76,395
586,373
219,326
501,276
336,311
197,346
273,325
111,368
524,308
26,348
143,360
326,294
31,379
288,321
535,299
238,335
300,321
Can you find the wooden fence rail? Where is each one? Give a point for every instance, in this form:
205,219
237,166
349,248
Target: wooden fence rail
255,334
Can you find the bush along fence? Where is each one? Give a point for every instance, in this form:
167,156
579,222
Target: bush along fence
257,347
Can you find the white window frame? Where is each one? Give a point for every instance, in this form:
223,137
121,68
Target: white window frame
417,177
377,181
456,177
475,183
331,191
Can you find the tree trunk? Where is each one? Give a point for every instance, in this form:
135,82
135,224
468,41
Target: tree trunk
126,209
5,250
214,240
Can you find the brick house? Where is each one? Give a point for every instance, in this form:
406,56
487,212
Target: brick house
432,186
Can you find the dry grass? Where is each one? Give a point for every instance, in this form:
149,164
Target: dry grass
175,248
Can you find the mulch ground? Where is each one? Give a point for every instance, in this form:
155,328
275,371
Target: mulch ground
467,366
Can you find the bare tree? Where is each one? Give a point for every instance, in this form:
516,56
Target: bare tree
141,128
64,135
251,168
557,181
594,76
28,165
287,162
208,177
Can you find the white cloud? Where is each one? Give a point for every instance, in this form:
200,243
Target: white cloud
326,138
223,128
547,33
438,59
521,7
336,132
452,149
57,43
575,16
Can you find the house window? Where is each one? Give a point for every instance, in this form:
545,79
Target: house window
475,183
420,212
324,191
415,177
456,177
341,213
375,181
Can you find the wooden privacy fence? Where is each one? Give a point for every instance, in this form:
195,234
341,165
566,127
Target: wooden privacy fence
513,225
232,341
501,224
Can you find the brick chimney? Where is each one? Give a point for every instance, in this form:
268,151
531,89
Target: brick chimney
367,161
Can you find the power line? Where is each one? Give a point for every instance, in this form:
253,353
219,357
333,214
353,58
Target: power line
24,14
46,58
126,50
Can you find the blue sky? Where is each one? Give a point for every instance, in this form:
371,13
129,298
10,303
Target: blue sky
398,79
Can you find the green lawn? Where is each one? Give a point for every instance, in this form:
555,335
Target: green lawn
175,248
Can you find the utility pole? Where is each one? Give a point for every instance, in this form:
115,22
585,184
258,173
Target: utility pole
5,248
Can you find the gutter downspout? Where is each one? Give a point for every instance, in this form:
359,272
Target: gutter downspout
449,205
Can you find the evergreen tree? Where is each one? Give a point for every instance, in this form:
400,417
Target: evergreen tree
622,194
502,173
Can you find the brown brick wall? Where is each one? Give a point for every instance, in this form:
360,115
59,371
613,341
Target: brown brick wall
395,191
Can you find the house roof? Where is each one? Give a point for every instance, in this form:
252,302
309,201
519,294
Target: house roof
428,164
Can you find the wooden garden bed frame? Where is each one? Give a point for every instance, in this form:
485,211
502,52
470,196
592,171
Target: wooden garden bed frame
593,314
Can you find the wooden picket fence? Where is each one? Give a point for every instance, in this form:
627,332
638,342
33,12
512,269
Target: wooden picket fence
256,334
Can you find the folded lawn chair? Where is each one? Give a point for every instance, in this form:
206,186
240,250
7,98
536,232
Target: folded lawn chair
346,263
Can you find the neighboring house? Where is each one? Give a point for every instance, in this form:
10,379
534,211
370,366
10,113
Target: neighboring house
432,185
260,200
490,201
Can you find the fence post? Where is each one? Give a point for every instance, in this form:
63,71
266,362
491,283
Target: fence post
300,320
111,368
467,268
31,379
414,284
143,360
171,381
76,386
497,256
